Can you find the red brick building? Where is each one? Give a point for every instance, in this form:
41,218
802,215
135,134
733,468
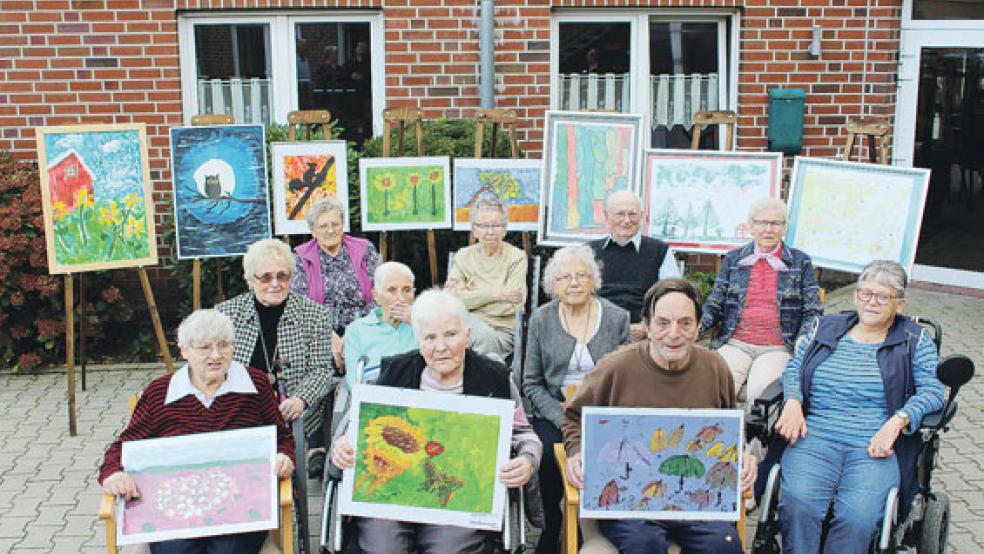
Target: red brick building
162,61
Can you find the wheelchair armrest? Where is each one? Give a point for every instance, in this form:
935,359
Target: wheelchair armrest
938,419
764,412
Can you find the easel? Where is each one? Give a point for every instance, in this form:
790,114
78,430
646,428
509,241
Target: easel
402,116
506,119
196,264
307,120
875,130
726,118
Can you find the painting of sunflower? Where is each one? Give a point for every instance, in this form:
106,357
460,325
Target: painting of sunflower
405,193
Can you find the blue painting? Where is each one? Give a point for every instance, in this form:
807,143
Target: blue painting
513,182
649,463
221,203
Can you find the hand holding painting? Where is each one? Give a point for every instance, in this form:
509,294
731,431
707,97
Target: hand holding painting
342,454
121,484
284,467
575,471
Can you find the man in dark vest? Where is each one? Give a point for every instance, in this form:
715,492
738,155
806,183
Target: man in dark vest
630,262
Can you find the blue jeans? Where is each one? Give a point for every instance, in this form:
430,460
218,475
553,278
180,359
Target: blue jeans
637,536
817,473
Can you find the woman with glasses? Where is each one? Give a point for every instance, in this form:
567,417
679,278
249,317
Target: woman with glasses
285,336
210,393
567,337
764,298
335,269
855,393
490,278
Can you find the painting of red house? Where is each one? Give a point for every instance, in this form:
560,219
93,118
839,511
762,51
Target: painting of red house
66,177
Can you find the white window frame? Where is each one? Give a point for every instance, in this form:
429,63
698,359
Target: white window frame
640,100
283,71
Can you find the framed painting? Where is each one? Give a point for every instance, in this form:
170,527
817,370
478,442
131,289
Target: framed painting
304,173
698,200
415,461
200,485
96,197
405,193
657,463
845,214
587,156
221,202
513,182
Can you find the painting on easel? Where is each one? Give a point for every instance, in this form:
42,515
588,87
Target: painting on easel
221,204
303,174
405,193
96,197
514,183
587,157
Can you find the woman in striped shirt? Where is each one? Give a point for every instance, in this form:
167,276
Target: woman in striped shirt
855,392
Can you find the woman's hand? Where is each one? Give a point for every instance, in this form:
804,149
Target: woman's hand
292,408
400,312
638,331
516,472
121,484
511,296
791,425
749,471
575,471
283,466
342,453
880,445
338,352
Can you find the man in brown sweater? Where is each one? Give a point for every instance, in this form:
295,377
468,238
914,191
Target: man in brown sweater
669,370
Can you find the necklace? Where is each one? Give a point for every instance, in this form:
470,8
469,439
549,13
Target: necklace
579,352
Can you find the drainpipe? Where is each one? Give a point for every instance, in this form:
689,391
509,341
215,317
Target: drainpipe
486,39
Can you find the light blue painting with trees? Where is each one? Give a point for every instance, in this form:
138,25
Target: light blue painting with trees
698,201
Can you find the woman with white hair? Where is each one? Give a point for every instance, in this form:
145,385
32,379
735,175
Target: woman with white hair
765,297
386,330
210,393
444,364
566,338
284,334
855,394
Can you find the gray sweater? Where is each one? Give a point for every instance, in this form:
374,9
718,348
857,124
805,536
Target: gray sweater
549,349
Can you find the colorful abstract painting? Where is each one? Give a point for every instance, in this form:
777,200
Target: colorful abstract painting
200,485
221,202
405,193
417,462
587,157
698,200
96,197
653,463
303,174
514,183
845,214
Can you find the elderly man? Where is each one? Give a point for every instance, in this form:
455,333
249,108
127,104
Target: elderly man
667,371
630,262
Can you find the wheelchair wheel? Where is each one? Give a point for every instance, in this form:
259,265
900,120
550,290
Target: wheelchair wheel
935,525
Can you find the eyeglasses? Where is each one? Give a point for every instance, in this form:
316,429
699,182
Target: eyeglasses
580,276
881,298
267,278
766,223
222,347
489,226
332,226
631,215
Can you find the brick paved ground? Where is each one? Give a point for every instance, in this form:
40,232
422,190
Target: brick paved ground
49,497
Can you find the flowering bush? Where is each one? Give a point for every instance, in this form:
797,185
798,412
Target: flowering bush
32,321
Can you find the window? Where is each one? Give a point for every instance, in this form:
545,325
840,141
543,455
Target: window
259,67
947,9
665,65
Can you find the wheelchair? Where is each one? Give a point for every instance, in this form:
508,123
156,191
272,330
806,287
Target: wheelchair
922,527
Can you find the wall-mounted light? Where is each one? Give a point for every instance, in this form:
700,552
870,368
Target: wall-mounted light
814,49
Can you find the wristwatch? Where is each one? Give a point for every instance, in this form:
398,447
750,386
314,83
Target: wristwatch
903,416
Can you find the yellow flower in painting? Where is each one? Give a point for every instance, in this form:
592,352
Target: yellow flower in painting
384,181
393,444
414,179
60,210
110,215
436,176
83,198
134,227
131,200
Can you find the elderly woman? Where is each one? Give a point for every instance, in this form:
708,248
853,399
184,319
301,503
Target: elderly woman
490,278
764,298
277,331
860,383
444,364
210,393
566,337
335,269
386,330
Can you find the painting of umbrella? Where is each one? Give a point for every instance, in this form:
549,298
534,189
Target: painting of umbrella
96,197
303,174
405,193
648,463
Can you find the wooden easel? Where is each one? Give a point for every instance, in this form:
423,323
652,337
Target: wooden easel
876,131
506,119
308,121
196,264
726,118
400,117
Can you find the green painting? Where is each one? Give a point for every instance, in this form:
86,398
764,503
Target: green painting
426,458
405,193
